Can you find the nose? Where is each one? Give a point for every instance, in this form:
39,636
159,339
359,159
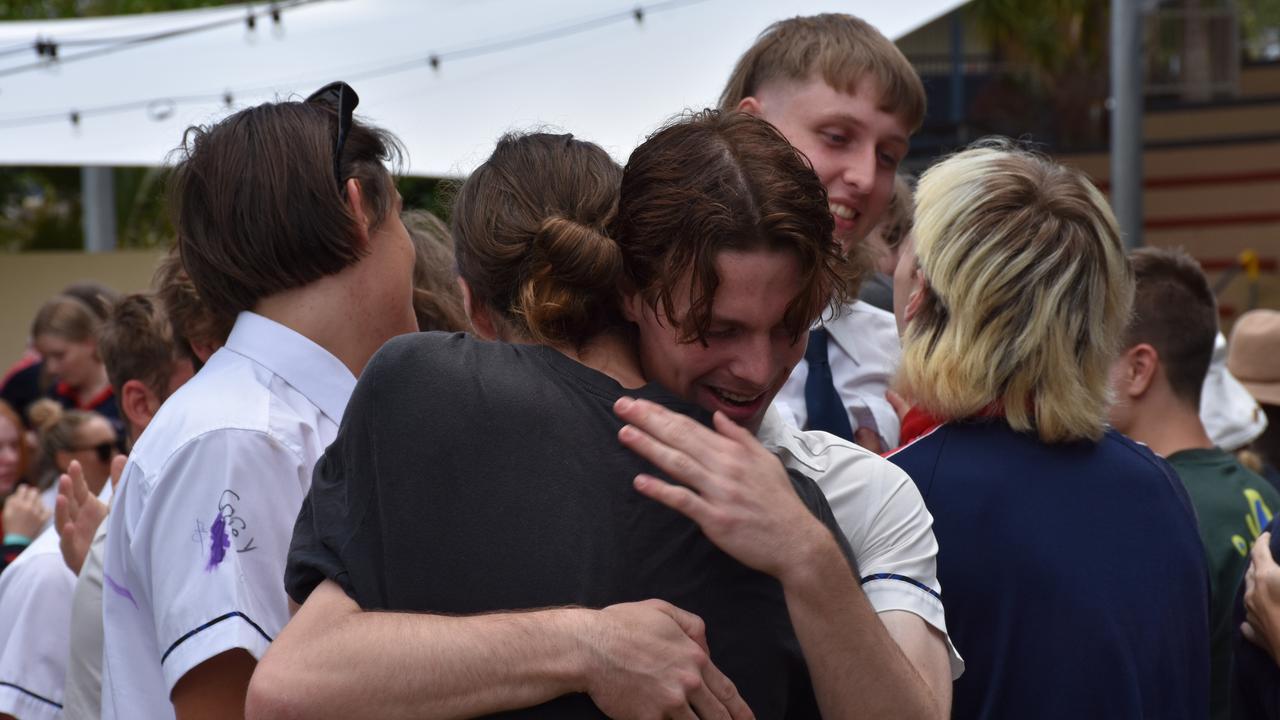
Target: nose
860,170
756,364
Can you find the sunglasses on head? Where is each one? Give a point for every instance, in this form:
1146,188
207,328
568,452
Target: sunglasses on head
344,100
107,450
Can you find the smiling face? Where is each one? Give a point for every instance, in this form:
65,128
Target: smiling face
854,146
747,353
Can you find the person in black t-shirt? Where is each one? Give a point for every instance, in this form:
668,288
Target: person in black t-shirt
473,477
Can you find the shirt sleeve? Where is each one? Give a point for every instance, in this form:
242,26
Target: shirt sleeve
891,532
209,546
35,615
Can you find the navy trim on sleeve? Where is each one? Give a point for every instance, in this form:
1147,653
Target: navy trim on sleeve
903,578
25,691
210,624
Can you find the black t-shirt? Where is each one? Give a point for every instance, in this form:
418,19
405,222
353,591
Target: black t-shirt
472,477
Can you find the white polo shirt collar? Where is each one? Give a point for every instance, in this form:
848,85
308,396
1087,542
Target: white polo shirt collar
299,361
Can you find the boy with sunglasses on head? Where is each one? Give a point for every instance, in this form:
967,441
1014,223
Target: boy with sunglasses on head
287,219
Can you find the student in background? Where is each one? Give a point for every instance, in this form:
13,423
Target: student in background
1055,533
1157,381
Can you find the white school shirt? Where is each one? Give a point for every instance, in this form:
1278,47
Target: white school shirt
35,609
882,514
83,695
200,531
1230,415
35,628
864,353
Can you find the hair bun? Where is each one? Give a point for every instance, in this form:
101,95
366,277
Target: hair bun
578,255
44,414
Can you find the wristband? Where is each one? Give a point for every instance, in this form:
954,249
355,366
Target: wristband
16,539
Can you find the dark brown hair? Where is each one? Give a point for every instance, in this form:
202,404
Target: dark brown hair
842,50
257,207
436,299
714,181
137,344
530,227
1175,312
190,318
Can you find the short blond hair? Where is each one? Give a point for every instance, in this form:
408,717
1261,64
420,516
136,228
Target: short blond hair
842,50
1027,297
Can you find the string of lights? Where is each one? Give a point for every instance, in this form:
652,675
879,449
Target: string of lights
48,49
160,108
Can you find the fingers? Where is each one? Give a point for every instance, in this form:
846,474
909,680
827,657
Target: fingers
684,713
1261,552
62,515
78,484
899,404
682,500
1250,634
690,624
676,463
706,704
117,470
726,693
867,438
669,427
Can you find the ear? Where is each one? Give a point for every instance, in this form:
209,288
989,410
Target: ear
477,313
1141,363
918,287
138,403
633,306
355,203
750,106
204,350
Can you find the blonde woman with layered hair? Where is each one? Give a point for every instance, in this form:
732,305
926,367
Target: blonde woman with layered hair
1026,294
1070,562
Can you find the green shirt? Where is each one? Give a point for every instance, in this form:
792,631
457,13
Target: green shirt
1233,506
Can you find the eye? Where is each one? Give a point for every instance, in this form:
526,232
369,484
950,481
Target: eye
722,333
835,137
889,159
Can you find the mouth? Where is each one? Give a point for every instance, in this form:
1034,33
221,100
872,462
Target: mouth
845,216
742,408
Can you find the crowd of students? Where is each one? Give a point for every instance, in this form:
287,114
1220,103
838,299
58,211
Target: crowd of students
627,442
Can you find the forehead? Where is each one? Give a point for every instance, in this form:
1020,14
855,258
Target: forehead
813,99
97,429
754,285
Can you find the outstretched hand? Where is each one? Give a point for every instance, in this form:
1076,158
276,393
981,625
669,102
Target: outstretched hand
735,489
79,512
24,512
1262,598
651,660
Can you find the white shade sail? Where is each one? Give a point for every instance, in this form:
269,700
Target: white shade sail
582,66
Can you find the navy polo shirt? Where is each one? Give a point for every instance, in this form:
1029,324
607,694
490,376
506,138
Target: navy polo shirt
1072,574
1255,680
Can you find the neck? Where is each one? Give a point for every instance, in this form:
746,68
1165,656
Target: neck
96,384
611,354
331,313
1169,426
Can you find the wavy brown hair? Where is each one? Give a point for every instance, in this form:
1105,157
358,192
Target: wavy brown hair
714,181
529,227
258,209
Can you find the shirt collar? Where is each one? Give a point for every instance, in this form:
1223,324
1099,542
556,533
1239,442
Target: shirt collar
842,331
309,368
774,432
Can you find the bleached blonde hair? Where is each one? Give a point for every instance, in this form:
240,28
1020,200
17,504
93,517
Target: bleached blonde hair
1027,294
